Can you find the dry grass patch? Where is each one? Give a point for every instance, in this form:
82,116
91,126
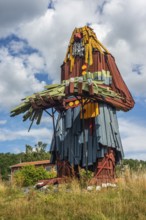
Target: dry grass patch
73,202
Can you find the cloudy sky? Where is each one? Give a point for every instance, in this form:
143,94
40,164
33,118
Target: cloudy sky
33,39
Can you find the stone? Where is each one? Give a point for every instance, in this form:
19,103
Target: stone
104,185
90,188
98,188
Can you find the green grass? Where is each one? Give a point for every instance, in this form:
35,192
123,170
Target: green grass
126,202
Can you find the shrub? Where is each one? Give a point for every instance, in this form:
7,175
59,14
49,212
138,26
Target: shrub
29,175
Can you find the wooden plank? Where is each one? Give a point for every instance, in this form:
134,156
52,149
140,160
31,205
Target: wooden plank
80,84
71,87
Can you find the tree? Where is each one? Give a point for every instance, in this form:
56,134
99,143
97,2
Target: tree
41,147
38,152
28,149
31,154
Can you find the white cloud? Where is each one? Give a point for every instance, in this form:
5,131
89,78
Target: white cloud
133,135
125,39
18,77
42,134
52,31
3,122
16,46
16,150
15,12
119,25
46,120
36,61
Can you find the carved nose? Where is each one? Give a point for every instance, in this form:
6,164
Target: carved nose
77,36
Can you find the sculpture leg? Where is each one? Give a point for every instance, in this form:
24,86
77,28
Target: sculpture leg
105,169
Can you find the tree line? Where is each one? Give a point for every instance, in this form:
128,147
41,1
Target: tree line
38,152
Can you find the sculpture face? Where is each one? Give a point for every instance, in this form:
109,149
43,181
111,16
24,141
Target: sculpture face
78,48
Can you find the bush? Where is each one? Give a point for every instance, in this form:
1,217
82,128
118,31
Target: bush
29,175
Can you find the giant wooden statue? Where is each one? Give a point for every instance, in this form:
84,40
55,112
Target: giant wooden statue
86,133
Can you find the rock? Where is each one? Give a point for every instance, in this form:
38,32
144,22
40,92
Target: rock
113,185
56,189
108,184
45,187
104,185
26,190
98,188
39,185
90,188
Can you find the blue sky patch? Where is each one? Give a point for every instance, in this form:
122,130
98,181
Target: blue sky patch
51,5
43,77
25,49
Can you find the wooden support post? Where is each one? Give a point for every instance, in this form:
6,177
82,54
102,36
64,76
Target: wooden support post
91,90
105,171
84,138
71,86
80,88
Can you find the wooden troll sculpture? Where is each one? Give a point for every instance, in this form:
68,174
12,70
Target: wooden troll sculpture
86,133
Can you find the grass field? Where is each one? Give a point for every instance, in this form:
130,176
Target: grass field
71,201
